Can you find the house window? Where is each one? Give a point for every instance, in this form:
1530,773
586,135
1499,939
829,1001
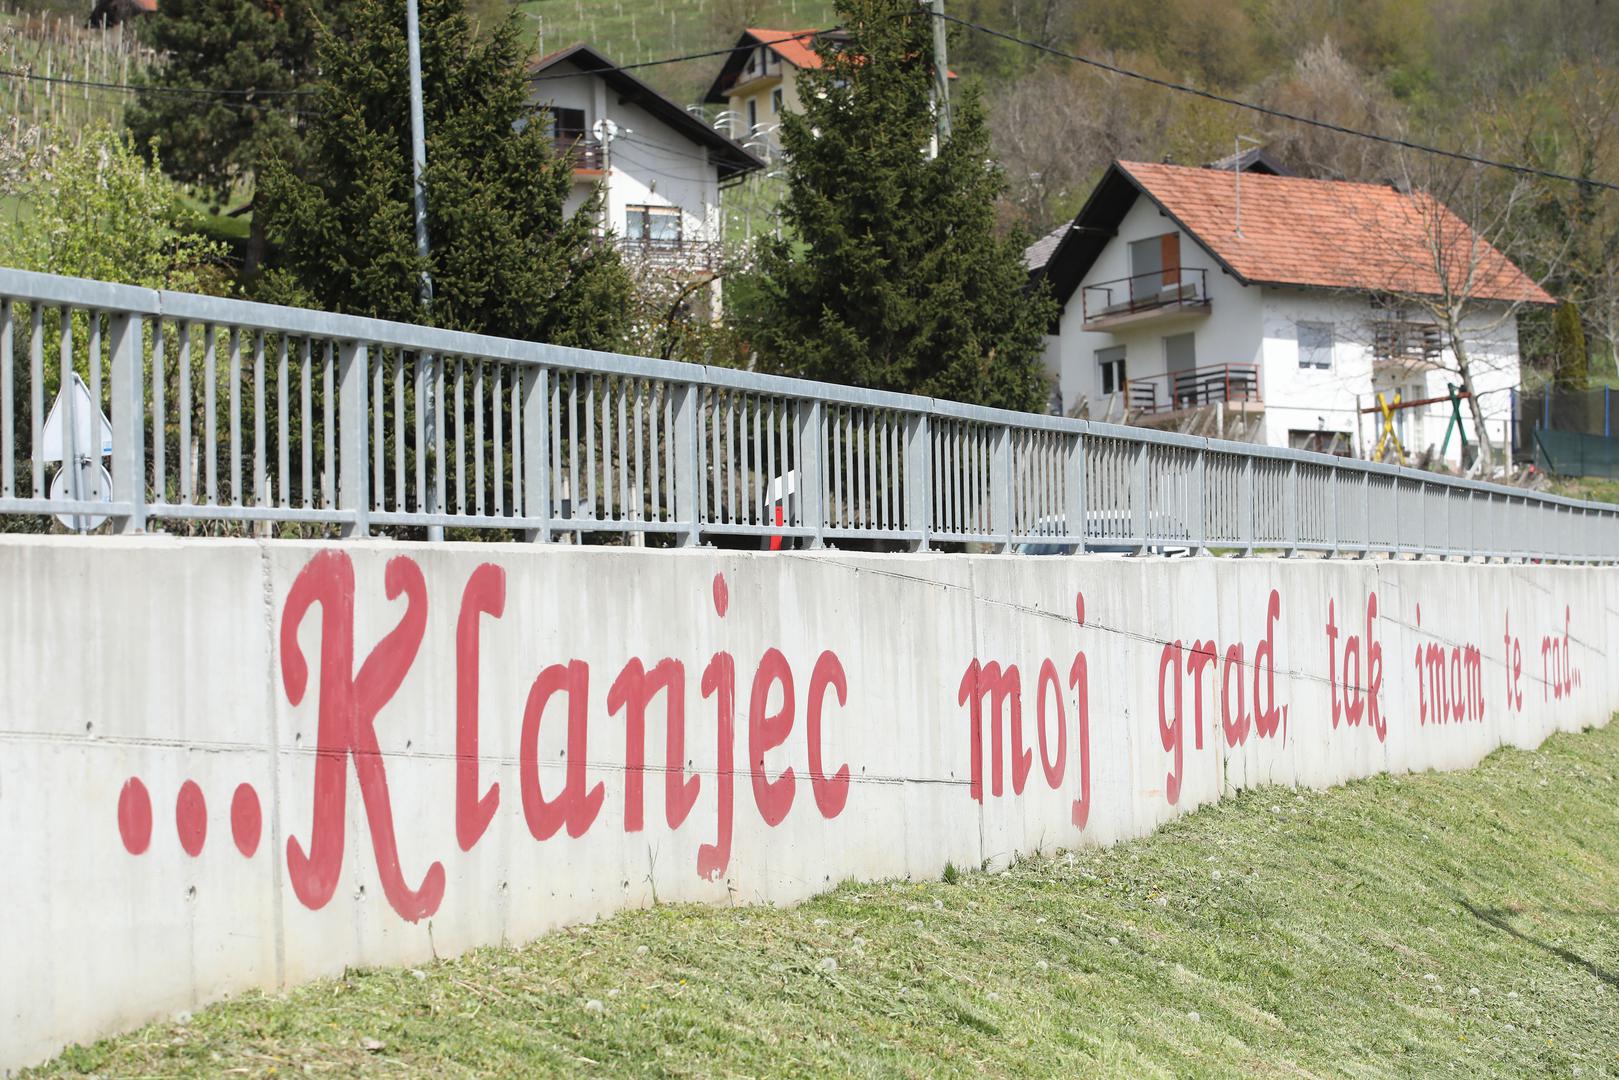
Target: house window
1335,443
753,114
1407,341
1111,362
1315,345
652,224
775,100
567,125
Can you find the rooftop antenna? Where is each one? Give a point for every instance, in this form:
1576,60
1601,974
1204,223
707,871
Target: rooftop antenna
1236,172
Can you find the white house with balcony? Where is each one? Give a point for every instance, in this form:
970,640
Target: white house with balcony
1239,302
661,168
759,82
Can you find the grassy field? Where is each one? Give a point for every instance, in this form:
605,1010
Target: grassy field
632,31
1464,924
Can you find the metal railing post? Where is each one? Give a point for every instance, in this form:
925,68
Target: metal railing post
687,467
1290,507
812,479
1000,488
537,451
1421,546
1199,530
128,428
918,478
1246,508
1074,491
353,448
1139,487
1336,539
1366,514
1472,527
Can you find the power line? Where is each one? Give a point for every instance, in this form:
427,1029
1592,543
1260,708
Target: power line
671,59
133,88
1281,114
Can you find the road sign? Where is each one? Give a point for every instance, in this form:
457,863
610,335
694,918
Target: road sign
54,440
89,481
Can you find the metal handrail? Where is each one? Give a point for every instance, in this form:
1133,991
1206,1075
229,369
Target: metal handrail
1155,290
226,410
1194,387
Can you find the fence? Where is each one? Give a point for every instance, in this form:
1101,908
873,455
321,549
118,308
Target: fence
1573,453
224,411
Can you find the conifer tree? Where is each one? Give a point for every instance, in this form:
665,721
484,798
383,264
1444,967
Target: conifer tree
892,275
227,95
1568,336
506,259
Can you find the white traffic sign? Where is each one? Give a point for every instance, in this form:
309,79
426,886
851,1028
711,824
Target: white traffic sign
89,482
54,439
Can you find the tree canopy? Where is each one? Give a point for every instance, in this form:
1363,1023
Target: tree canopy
506,259
893,275
226,99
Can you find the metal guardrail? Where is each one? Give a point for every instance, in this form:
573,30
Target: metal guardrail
229,411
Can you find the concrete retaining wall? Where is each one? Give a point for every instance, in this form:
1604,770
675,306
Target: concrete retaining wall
226,764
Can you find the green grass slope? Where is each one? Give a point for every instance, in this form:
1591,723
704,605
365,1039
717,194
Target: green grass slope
1464,924
634,31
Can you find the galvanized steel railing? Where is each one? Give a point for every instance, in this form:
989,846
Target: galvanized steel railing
224,411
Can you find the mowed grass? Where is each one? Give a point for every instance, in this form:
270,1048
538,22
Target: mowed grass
1464,924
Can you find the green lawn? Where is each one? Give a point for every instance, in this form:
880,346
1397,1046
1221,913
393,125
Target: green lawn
1464,924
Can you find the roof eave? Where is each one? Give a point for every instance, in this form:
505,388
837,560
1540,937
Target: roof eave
729,157
1545,299
716,94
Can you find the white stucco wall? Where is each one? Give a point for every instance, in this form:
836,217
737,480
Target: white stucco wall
228,764
1311,399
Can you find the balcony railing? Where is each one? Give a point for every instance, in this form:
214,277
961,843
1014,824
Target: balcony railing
1174,390
682,254
1160,291
586,153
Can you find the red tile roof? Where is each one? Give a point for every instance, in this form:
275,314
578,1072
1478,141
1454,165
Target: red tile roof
794,46
1331,234
798,48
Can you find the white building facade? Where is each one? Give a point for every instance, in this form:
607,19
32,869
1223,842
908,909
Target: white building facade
1241,336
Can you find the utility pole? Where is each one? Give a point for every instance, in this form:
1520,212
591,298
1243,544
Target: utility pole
941,79
418,163
606,131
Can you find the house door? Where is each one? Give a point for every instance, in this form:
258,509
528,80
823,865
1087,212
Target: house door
1180,358
1155,265
1110,371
